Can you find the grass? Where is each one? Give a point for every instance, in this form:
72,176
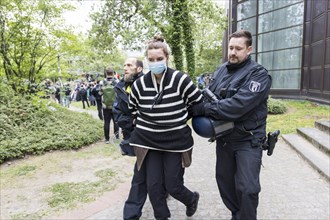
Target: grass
79,105
66,195
24,170
52,163
299,114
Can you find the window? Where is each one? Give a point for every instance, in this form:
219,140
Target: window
290,37
248,24
285,17
285,79
283,59
246,9
277,31
270,5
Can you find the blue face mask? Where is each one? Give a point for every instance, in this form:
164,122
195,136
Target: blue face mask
157,67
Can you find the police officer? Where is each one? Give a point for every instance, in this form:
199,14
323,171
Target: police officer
138,193
242,87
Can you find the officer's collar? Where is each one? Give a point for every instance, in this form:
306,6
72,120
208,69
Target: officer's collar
234,66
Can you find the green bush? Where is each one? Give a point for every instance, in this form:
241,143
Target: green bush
276,106
30,125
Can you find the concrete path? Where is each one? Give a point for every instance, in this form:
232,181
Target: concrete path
291,189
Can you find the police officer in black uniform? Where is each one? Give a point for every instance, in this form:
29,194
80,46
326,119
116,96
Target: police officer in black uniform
138,193
242,87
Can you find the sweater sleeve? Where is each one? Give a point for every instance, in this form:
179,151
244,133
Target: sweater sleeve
189,91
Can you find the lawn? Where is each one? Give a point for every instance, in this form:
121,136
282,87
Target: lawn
299,114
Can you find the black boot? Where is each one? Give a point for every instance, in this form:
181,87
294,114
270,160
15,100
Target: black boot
191,209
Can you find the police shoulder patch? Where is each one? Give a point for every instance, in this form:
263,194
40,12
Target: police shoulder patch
254,86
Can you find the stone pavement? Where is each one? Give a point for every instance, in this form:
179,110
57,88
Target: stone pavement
291,189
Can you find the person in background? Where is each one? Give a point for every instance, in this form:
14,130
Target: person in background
90,95
201,81
67,95
96,92
161,138
57,93
138,193
242,87
83,95
108,95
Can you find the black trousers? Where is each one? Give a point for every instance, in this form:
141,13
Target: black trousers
137,194
107,116
165,168
83,100
99,108
237,175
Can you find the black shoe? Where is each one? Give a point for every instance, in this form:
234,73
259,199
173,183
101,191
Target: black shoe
190,211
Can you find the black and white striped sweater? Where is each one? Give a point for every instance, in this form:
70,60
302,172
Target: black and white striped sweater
161,111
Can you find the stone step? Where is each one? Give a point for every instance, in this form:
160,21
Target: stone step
315,157
323,126
318,138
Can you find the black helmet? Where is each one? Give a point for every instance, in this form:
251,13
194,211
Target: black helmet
209,128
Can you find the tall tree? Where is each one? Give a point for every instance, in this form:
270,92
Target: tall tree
208,31
31,34
131,22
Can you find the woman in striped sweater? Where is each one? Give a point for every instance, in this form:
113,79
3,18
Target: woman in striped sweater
161,137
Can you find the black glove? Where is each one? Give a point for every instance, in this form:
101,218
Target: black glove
196,109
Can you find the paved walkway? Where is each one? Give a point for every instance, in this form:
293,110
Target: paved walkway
291,189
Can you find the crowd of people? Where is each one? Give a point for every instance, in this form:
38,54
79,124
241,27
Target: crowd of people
152,110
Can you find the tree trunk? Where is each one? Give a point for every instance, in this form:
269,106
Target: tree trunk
188,39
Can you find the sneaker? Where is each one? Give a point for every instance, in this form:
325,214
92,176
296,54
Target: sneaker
190,210
107,142
123,153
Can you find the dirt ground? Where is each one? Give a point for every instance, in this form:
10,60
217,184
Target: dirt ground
25,183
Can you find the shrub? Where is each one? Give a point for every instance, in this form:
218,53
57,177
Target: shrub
30,125
276,106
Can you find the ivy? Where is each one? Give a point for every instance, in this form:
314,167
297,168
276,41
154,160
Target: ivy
181,22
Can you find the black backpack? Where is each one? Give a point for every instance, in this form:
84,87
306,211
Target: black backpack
83,92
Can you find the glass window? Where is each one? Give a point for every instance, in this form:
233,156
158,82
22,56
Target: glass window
283,59
285,17
248,24
291,37
246,9
285,79
270,5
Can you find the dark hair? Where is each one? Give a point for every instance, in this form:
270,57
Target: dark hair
243,33
109,71
158,42
139,63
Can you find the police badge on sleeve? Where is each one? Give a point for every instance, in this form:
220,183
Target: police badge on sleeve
254,86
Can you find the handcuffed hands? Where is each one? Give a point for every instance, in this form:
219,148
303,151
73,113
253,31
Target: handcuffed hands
196,109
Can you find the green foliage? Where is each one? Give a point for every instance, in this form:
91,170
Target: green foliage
276,106
29,125
210,21
184,24
31,34
22,171
66,195
299,114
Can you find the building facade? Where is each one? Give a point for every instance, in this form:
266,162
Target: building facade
291,38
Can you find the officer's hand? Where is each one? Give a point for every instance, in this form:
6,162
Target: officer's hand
196,109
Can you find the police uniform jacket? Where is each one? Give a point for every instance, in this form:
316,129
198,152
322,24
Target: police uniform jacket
242,91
